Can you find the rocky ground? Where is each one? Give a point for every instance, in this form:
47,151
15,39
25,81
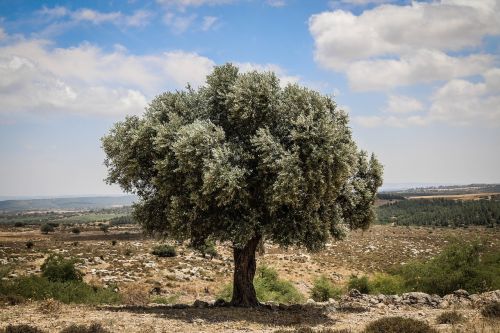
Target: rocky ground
129,265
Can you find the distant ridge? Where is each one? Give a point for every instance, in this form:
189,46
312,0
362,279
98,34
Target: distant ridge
70,203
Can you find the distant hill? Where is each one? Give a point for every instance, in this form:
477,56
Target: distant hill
445,190
67,203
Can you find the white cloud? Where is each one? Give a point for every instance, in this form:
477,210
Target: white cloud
276,3
463,102
403,104
393,45
177,23
423,66
3,34
193,3
282,74
208,22
38,78
137,19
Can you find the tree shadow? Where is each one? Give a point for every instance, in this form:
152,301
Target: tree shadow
274,316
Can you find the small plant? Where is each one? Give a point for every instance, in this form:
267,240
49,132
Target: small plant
323,290
104,228
30,244
450,317
359,283
76,230
19,224
113,242
92,328
491,310
398,325
22,328
386,284
164,250
57,269
46,228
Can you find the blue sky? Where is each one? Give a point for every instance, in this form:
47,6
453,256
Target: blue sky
421,80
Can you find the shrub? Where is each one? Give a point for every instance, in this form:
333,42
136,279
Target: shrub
164,250
386,284
113,242
20,329
450,317
491,310
19,224
46,228
207,248
310,330
359,283
269,287
92,328
121,220
457,267
398,325
323,290
75,230
104,228
39,288
57,269
30,244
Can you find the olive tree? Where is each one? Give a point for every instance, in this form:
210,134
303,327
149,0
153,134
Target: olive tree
242,159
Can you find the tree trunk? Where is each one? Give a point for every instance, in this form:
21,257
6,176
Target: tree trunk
244,271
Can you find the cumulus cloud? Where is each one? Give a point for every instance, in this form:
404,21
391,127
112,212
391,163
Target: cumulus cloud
403,104
423,42
423,66
282,74
399,40
137,19
39,78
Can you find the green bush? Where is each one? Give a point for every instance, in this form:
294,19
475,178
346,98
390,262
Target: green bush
398,325
359,283
58,269
29,244
310,330
40,288
269,287
92,328
46,228
20,329
19,224
75,230
450,317
386,284
104,228
323,290
491,310
459,266
164,250
207,248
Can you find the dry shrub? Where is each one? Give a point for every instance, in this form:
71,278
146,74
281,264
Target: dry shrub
22,328
450,317
92,328
50,306
135,294
398,325
491,310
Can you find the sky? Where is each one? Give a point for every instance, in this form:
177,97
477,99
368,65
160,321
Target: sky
420,80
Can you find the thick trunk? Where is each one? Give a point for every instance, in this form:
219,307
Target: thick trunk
244,272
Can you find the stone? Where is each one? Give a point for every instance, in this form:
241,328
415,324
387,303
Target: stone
461,293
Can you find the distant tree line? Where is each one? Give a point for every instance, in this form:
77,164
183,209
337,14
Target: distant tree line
389,196
441,212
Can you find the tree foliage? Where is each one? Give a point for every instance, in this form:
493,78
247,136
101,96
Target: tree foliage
242,158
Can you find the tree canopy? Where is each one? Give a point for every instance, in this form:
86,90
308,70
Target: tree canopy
243,158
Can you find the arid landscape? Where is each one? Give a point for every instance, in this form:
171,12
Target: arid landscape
159,292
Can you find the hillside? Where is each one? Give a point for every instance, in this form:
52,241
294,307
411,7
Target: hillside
79,203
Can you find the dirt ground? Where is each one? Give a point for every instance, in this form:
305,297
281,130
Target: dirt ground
130,265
